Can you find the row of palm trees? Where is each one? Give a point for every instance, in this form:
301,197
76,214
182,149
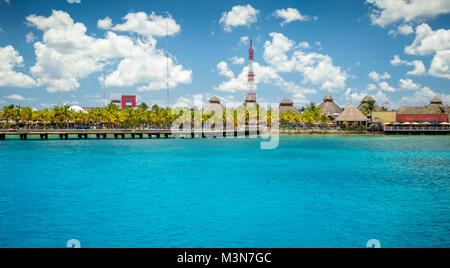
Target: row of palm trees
61,117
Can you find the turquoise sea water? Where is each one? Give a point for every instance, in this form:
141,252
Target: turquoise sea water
310,192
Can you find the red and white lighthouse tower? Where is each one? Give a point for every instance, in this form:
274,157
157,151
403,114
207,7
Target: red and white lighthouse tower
251,91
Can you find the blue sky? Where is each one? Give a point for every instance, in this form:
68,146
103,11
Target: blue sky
55,52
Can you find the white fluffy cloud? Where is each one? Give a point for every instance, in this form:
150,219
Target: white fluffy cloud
290,15
419,67
18,97
386,87
440,66
9,59
147,24
377,77
317,69
105,24
74,1
30,37
424,95
386,12
239,16
437,43
428,41
67,54
224,70
408,84
237,60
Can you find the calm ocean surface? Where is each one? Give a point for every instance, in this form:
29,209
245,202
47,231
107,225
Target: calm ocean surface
310,192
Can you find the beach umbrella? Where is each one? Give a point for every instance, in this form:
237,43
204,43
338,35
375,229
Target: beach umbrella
406,123
388,123
397,123
436,123
445,124
415,124
426,123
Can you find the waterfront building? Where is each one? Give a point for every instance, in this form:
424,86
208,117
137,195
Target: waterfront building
124,101
365,102
287,105
329,107
380,117
436,111
213,106
352,116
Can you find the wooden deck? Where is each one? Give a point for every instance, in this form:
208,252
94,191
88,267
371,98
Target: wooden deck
66,134
417,130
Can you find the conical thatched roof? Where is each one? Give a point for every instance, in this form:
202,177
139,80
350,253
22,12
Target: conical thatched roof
352,114
287,105
213,106
329,107
214,100
365,102
328,98
414,110
287,102
436,100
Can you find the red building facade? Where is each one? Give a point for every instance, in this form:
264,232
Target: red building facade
128,102
422,118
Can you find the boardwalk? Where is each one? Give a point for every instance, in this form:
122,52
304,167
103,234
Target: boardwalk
121,134
417,130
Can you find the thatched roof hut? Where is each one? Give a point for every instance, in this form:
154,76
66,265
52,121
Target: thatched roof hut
287,105
437,106
329,106
213,106
365,102
352,114
414,110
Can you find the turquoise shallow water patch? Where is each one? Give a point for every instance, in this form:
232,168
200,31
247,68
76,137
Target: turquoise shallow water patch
310,192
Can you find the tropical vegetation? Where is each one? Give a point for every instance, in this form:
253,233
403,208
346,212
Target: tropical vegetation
110,117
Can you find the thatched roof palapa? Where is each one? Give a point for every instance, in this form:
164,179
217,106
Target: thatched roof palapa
365,102
213,106
329,106
287,105
352,114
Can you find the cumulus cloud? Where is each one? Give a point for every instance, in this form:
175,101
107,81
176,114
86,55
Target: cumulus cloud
147,24
73,1
403,29
30,37
18,97
316,69
386,87
424,95
386,12
237,60
428,41
419,67
377,77
440,66
224,70
9,59
68,54
239,16
105,24
381,86
408,84
244,40
290,15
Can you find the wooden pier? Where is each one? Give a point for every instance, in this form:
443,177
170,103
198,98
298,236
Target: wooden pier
121,134
417,130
